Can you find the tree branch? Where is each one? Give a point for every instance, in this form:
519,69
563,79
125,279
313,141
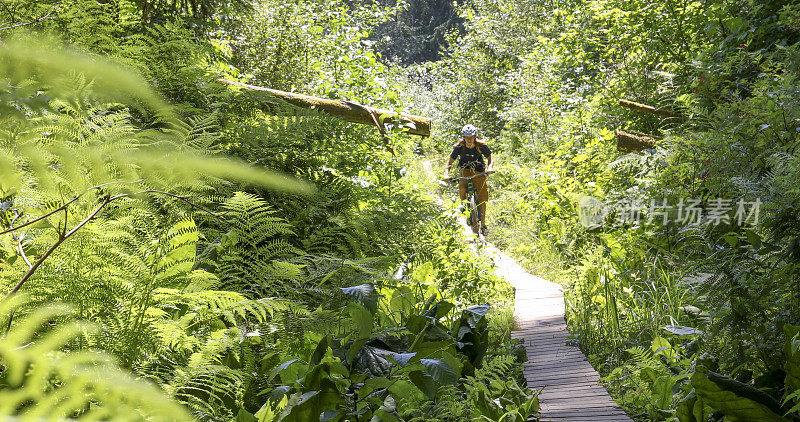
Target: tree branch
62,236
63,207
22,251
9,11
650,109
39,19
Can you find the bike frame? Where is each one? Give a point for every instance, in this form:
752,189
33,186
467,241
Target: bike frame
474,219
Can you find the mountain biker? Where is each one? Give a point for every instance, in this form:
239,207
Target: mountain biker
470,152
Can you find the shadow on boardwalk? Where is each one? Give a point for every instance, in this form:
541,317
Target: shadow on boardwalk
571,389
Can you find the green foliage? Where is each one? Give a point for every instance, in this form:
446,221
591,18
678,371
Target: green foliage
738,401
544,87
246,256
39,380
227,285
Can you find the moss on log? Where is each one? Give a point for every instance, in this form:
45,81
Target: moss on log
345,110
634,141
651,110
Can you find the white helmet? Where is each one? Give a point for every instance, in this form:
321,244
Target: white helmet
469,130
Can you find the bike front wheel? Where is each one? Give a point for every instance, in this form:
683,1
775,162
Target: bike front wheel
474,215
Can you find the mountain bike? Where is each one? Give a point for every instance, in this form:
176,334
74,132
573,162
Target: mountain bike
474,216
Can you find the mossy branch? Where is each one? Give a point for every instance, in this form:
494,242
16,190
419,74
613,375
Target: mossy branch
644,108
634,141
345,110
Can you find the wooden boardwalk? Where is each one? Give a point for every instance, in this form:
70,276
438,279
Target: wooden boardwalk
571,389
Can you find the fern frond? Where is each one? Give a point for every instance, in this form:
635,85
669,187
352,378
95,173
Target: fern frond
38,381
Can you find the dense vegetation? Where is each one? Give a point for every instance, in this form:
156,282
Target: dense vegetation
174,248
687,319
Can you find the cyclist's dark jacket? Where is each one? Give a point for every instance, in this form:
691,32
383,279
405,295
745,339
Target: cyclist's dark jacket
471,157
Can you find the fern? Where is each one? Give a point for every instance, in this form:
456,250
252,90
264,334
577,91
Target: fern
38,381
644,358
254,254
449,406
499,367
76,142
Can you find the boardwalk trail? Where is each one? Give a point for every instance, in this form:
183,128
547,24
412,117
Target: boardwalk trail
571,387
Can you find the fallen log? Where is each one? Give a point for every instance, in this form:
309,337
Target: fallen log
650,109
345,110
634,141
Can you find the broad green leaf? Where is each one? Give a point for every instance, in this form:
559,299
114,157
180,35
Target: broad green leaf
270,412
374,360
424,383
406,389
319,351
439,310
682,331
440,371
739,402
245,416
387,412
687,408
402,358
286,375
365,294
661,346
373,384
792,351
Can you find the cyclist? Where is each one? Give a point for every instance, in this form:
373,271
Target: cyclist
470,151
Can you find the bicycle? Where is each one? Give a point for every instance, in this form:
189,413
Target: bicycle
474,217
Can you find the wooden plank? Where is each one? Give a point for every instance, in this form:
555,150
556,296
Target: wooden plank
558,376
589,414
569,387
555,357
573,394
569,368
549,343
547,382
533,328
597,411
586,405
567,378
557,393
594,418
544,354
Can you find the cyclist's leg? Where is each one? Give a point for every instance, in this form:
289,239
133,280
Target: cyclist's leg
482,189
462,184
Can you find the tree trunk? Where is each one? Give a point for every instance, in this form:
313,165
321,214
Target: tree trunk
345,110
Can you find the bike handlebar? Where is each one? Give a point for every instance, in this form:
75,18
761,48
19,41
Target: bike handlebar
482,174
